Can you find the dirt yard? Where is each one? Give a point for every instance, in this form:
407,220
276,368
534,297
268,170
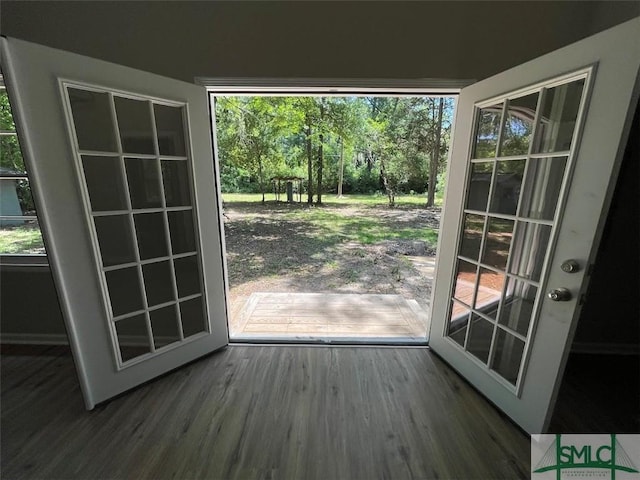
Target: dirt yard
278,247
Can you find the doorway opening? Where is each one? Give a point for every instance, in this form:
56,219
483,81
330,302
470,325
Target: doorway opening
331,212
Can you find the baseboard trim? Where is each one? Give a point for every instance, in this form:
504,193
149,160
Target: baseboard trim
605,348
34,339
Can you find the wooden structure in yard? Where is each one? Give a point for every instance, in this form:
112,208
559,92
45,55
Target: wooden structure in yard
288,187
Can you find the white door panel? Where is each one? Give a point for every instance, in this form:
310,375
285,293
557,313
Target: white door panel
528,189
131,220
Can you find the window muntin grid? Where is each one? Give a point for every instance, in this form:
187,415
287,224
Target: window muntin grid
521,151
137,184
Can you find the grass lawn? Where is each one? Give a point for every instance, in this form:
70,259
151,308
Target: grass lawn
21,240
355,244
418,200
365,219
363,228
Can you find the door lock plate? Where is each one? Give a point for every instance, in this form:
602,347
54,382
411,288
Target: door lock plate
570,266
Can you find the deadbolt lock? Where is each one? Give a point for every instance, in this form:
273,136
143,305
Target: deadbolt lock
570,266
560,294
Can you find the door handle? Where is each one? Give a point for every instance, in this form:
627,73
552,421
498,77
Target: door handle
560,294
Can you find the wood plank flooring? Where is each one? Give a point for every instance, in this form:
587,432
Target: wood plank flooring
263,412
599,394
307,316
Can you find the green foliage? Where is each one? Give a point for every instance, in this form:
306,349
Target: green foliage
250,133
6,119
11,155
235,179
378,143
488,127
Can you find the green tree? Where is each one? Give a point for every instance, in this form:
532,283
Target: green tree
250,132
359,143
442,118
408,138
10,154
11,160
347,122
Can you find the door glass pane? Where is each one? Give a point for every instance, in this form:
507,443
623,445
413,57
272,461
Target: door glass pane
489,291
519,125
513,174
472,236
164,325
170,130
134,154
506,187
152,236
497,243
175,176
508,355
479,183
182,231
541,190
458,324
158,283
16,200
187,275
115,240
517,306
530,247
480,334
103,177
133,338
487,134
124,290
193,318
143,176
92,120
10,152
465,282
134,124
559,114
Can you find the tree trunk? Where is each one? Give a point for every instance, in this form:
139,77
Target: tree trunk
320,163
435,159
309,164
391,194
341,168
320,152
260,179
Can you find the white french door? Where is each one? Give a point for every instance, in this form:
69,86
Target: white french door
533,163
122,170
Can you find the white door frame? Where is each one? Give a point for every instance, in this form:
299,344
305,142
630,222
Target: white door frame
242,86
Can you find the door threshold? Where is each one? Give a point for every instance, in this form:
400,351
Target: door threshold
330,341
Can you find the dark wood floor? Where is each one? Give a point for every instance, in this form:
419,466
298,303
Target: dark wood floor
259,412
599,394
